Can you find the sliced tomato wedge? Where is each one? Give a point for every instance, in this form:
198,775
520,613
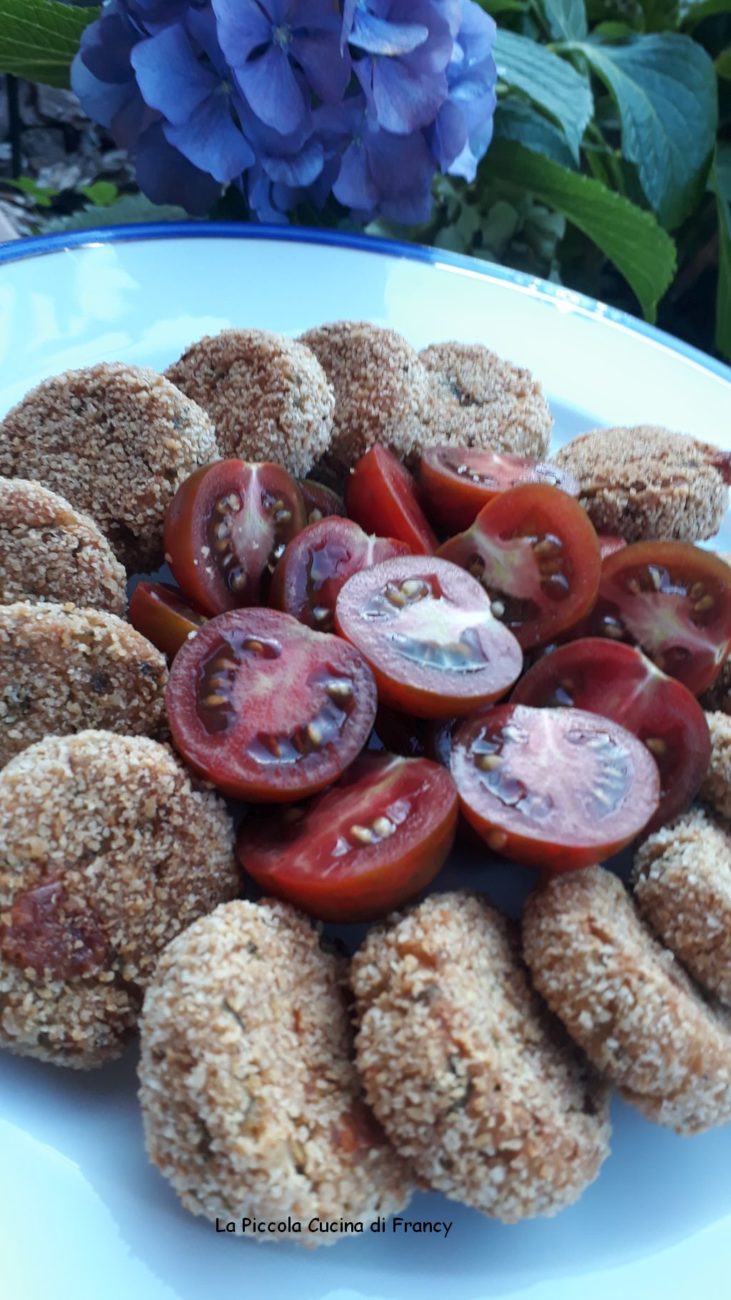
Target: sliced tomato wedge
456,482
267,710
427,630
362,848
608,544
320,501
316,564
672,599
161,613
553,788
535,552
619,682
225,529
380,496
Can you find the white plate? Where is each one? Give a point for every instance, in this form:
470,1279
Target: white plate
83,1215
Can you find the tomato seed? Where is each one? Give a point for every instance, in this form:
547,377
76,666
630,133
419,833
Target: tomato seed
488,762
362,834
339,689
705,602
656,746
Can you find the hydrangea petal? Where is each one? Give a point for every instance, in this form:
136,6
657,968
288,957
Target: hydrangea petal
100,100
300,168
211,140
377,36
328,71
165,176
355,187
242,27
171,78
270,87
405,101
106,46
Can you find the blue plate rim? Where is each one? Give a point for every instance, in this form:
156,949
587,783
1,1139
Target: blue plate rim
62,241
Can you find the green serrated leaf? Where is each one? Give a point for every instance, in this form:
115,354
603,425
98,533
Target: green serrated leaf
664,87
128,210
693,12
721,182
551,83
100,193
566,19
629,237
515,119
723,64
39,38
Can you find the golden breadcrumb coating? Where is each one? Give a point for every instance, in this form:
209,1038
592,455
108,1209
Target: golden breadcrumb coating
250,1098
116,441
716,788
646,482
267,396
472,1080
109,850
627,1002
381,391
479,399
682,887
49,551
64,669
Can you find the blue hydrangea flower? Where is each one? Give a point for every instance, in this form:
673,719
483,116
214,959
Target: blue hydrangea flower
293,100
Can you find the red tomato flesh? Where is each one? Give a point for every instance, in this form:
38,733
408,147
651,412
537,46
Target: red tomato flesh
267,710
672,599
456,482
553,788
380,496
427,631
609,543
535,552
225,529
620,683
362,848
320,501
316,564
161,614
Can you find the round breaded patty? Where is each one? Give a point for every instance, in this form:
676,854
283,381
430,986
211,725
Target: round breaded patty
108,851
479,399
627,1002
64,669
381,391
682,887
116,441
267,396
250,1098
716,788
646,483
49,551
471,1079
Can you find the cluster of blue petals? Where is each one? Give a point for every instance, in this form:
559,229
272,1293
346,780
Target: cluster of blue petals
293,100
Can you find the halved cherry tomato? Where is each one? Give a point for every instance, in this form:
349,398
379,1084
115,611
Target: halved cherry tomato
456,482
427,631
381,497
320,501
361,848
161,613
225,529
553,788
620,683
535,551
267,710
608,544
318,561
672,599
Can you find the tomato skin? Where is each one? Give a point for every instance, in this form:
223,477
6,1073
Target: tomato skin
674,601
267,710
318,561
456,482
225,528
535,551
380,495
619,682
161,614
320,501
320,858
536,784
609,544
446,657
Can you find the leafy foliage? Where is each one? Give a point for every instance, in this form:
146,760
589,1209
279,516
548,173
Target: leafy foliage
39,38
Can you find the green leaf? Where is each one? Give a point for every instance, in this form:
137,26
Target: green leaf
496,7
39,38
42,195
721,183
566,19
128,210
664,87
517,120
631,238
100,193
693,12
552,84
660,15
723,64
